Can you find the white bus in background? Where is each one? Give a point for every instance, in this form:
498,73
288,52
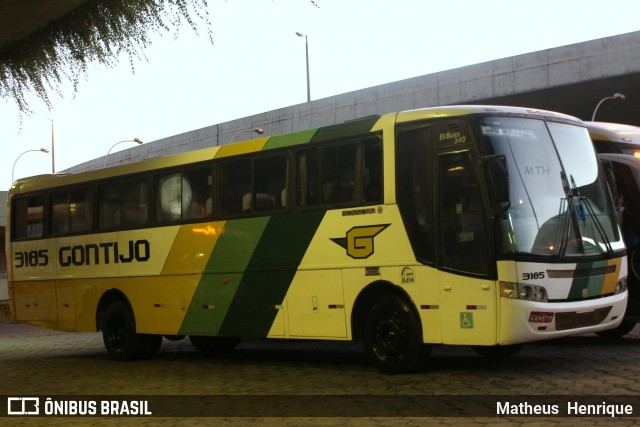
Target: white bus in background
618,146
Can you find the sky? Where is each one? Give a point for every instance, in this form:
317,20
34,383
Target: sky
256,63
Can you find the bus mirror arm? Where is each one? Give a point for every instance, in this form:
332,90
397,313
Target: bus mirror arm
491,158
495,166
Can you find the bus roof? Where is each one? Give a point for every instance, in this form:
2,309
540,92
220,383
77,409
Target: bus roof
351,127
614,132
53,180
461,110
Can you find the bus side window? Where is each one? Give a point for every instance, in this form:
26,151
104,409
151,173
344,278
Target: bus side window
235,182
372,171
109,206
59,213
135,202
349,173
123,203
414,189
20,218
181,195
28,220
338,174
200,183
269,183
169,196
72,211
80,210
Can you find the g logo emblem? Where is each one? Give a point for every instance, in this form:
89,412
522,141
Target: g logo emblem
359,240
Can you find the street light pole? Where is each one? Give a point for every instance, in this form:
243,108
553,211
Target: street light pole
44,150
615,96
306,47
136,140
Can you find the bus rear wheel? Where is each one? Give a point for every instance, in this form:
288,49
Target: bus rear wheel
120,337
392,337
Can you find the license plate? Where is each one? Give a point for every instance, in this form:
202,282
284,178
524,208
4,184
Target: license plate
540,317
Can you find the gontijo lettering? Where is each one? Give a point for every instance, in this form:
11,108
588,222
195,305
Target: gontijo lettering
104,253
89,254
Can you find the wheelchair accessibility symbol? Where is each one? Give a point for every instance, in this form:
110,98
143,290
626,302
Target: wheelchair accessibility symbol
466,320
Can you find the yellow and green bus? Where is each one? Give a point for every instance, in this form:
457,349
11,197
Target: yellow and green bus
465,225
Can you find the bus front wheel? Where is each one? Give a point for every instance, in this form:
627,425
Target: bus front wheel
120,337
392,337
620,331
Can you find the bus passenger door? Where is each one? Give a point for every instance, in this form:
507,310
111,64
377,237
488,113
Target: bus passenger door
467,296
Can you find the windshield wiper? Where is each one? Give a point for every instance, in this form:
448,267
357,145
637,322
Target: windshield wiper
587,203
569,218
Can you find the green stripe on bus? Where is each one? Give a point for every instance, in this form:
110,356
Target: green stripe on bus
269,274
289,139
236,245
346,130
585,286
221,277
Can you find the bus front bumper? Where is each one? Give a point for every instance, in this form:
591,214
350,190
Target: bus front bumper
526,321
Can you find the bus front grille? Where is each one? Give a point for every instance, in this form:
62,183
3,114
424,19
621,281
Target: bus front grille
573,320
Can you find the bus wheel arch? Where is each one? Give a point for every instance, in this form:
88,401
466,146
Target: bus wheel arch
116,320
365,300
108,298
387,322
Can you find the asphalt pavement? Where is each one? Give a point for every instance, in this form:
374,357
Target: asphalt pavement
291,383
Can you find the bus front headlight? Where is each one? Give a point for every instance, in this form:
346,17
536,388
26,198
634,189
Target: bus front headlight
532,293
509,290
524,292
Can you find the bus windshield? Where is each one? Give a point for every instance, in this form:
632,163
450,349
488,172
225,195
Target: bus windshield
559,203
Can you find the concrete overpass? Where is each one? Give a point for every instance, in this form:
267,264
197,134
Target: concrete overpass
571,79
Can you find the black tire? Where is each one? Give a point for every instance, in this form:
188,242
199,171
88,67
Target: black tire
392,336
120,337
496,351
154,342
623,329
213,346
